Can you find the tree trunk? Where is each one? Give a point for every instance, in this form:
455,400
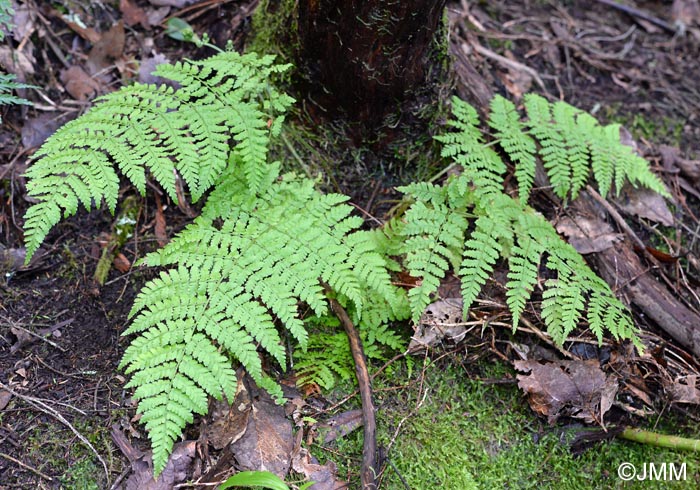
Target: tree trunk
365,59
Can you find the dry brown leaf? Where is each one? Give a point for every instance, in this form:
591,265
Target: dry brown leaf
339,426
685,390
107,49
645,203
587,234
440,320
268,441
87,33
577,389
5,397
17,62
79,84
133,14
324,476
121,263
175,470
159,228
229,421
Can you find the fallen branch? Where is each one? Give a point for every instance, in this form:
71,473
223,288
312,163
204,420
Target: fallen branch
369,450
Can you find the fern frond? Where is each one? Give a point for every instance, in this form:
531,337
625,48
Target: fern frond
493,234
565,119
433,239
147,129
466,146
511,135
553,151
241,270
523,263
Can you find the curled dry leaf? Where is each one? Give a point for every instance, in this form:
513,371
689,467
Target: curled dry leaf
440,320
577,389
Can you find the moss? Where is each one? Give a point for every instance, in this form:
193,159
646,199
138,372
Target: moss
466,434
275,29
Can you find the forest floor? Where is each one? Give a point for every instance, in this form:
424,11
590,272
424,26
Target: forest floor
62,394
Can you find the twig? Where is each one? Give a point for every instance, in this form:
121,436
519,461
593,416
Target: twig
510,63
616,216
369,450
26,466
635,12
39,405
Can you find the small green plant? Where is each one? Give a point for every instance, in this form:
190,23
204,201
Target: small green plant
7,81
265,243
263,479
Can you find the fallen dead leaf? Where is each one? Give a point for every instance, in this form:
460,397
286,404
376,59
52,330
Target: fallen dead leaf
440,320
121,263
587,234
5,397
107,49
229,421
339,426
268,441
324,476
77,25
79,84
159,228
685,390
645,203
37,129
577,389
133,14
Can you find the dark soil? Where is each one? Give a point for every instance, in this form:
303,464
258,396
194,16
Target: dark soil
583,51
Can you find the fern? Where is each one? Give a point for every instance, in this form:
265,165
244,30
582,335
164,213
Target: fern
155,129
510,133
234,281
7,84
435,236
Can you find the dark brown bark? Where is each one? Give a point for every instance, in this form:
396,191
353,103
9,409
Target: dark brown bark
362,58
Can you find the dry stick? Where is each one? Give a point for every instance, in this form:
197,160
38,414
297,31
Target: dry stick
38,404
369,450
510,63
26,466
635,12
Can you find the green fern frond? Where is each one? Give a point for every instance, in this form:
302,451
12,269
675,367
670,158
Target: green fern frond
511,135
433,237
466,146
147,129
7,84
244,269
492,235
554,153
